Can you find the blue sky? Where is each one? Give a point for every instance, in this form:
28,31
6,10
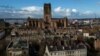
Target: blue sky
60,8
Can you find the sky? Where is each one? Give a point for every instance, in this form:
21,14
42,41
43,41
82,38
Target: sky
60,8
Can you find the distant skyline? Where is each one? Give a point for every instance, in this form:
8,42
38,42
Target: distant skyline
60,8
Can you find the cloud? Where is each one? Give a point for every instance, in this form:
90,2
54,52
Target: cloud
73,13
32,11
74,10
65,11
88,12
32,8
36,11
61,11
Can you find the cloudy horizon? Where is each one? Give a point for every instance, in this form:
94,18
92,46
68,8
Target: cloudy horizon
36,11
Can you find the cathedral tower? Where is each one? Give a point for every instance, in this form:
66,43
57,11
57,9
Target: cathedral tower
47,15
47,12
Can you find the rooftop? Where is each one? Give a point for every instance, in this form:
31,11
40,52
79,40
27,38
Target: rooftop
64,43
18,43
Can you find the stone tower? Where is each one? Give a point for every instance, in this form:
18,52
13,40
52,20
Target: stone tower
47,15
47,12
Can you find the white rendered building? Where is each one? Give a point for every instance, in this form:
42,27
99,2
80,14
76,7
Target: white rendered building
74,52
